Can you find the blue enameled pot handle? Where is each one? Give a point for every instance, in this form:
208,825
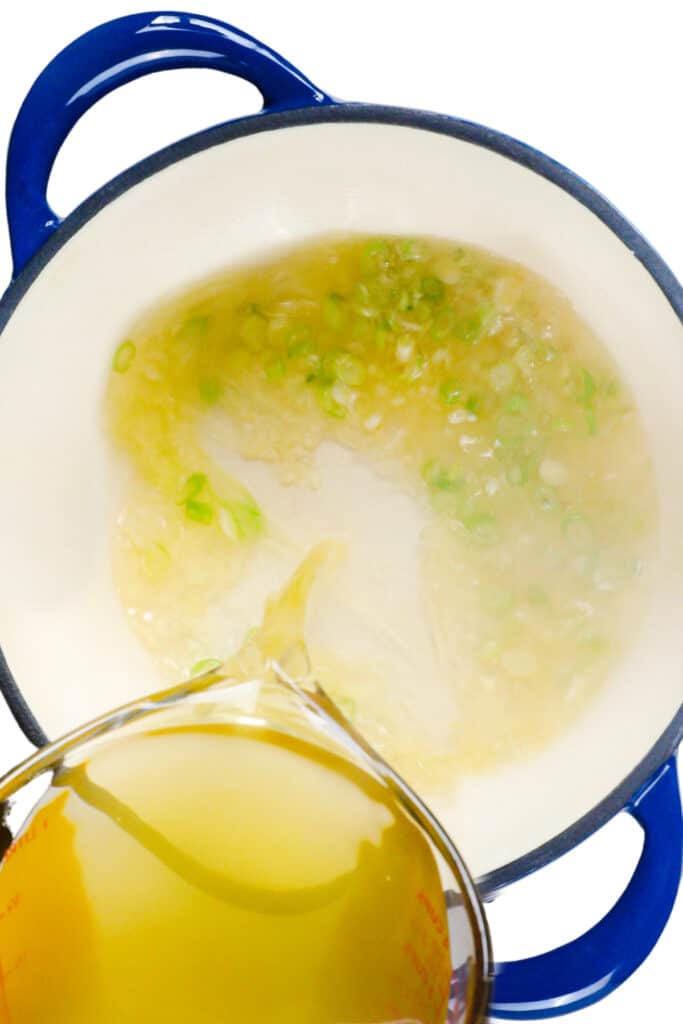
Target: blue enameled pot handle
569,978
583,972
106,58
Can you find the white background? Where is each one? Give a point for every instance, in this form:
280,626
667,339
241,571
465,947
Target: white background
595,83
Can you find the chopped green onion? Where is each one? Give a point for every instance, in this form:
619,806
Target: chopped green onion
440,478
300,349
546,498
472,403
156,559
414,372
253,329
591,421
349,369
490,651
312,363
423,311
210,390
588,387
561,425
363,333
483,526
450,392
409,250
334,311
405,301
375,256
361,296
511,430
343,394
204,667
330,405
444,324
470,328
247,516
432,288
193,486
193,330
124,357
199,511
382,335
516,404
328,370
276,370
517,474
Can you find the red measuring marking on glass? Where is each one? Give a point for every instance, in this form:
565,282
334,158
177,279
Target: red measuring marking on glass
5,1012
4,1005
13,903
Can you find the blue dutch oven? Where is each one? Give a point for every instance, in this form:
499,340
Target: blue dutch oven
304,165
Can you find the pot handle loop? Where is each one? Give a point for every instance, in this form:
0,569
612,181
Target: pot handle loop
100,61
584,971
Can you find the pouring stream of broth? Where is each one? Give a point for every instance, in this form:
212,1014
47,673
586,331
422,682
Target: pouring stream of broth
275,652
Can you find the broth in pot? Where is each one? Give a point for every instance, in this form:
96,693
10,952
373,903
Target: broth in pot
449,416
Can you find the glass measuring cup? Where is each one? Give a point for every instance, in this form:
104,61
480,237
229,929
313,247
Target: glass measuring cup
38,911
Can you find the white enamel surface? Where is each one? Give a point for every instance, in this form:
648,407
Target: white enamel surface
61,628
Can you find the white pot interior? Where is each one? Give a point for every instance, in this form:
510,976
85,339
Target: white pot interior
62,629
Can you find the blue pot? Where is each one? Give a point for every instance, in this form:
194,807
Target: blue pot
289,171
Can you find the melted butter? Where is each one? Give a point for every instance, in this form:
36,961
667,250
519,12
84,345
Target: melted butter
449,417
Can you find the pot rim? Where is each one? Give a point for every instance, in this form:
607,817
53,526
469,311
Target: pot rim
466,131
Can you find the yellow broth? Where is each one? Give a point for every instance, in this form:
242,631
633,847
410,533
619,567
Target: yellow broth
210,873
475,389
